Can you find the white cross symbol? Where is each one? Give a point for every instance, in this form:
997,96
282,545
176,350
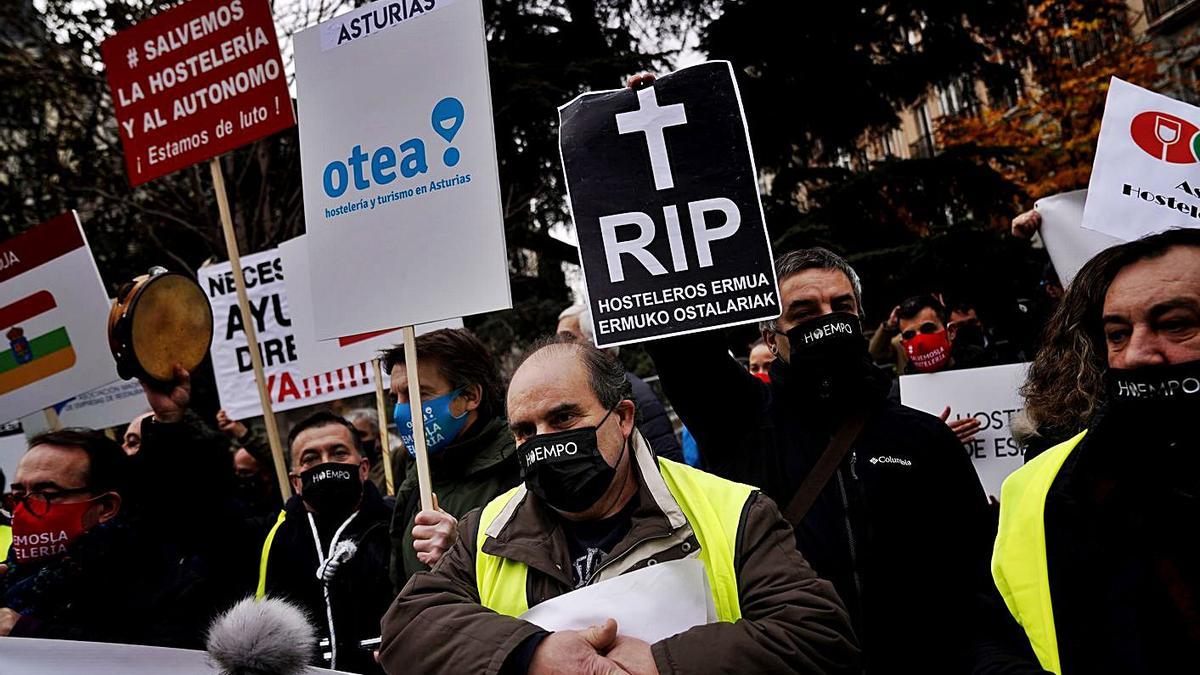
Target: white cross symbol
651,119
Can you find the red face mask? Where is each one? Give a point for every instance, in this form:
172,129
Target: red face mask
764,376
38,537
928,352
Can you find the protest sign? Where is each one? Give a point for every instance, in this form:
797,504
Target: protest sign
53,311
1069,244
290,384
111,405
1144,177
196,81
990,395
399,167
326,355
664,195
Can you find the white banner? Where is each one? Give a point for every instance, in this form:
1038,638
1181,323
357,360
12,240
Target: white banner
1069,244
990,395
290,382
112,405
1145,177
68,657
398,157
325,355
53,314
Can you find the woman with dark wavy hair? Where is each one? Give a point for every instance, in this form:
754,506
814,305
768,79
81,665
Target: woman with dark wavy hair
1065,386
1096,557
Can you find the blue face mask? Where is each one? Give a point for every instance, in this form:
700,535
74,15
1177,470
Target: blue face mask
441,427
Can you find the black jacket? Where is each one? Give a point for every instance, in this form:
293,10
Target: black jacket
360,592
901,529
653,421
1123,564
107,587
178,553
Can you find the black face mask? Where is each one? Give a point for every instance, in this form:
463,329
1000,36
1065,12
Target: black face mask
969,335
332,488
565,469
827,357
1154,397
250,490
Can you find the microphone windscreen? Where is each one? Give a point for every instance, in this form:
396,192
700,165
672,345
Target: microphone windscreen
261,637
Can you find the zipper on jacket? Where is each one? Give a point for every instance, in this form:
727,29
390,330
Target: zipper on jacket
610,561
850,539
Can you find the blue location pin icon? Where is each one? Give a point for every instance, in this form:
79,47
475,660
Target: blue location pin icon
447,119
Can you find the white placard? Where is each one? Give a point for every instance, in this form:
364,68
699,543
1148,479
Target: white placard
325,355
992,396
1069,244
398,156
290,383
112,405
1145,177
69,657
54,313
650,604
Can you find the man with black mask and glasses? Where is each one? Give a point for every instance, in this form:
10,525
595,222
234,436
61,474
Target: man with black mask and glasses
596,504
885,503
329,549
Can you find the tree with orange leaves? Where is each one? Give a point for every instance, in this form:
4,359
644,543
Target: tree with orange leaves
1068,52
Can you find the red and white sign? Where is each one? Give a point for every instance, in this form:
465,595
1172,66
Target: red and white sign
54,317
1144,178
194,82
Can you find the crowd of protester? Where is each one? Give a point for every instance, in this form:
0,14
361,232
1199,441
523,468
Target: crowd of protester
877,553
840,531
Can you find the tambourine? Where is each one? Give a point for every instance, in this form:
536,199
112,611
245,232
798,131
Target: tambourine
158,320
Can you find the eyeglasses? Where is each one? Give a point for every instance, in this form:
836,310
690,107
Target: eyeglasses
927,328
38,503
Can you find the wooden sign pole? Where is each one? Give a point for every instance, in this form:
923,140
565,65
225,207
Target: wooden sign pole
418,418
235,262
385,444
52,420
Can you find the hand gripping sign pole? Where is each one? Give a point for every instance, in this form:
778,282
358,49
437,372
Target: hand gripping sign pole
385,444
235,262
418,417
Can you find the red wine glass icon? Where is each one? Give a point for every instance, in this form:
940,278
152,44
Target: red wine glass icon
1168,132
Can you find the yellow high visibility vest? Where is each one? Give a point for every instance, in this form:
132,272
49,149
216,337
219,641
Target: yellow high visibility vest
712,505
5,541
1019,565
261,591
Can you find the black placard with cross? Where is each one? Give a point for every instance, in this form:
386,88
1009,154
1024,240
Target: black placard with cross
664,195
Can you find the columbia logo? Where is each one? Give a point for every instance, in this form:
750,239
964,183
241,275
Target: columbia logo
890,460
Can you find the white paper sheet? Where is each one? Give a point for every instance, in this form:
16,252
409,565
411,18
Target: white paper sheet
1069,244
651,604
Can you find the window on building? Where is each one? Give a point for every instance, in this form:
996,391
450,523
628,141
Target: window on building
958,97
1156,9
